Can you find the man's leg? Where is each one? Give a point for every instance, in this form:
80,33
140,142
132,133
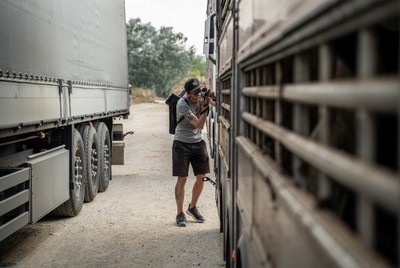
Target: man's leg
180,193
197,189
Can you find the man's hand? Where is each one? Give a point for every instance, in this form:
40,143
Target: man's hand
204,103
211,94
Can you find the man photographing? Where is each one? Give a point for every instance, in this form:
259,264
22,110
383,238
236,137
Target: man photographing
189,148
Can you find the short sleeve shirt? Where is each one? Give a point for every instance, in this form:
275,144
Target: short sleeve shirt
185,131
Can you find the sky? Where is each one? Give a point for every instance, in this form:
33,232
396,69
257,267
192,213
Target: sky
184,16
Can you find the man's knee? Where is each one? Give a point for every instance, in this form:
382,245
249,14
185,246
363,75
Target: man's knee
181,180
200,177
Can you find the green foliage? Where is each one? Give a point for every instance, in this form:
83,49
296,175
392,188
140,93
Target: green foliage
198,67
157,59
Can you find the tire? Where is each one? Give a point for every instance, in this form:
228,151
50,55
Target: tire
221,209
227,248
91,146
104,155
74,205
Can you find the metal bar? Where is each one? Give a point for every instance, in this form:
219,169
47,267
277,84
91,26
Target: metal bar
377,183
226,92
226,106
365,147
13,179
222,155
14,201
278,110
301,74
380,94
324,189
14,225
224,122
265,92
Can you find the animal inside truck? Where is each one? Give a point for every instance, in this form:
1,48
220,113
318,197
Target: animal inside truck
306,131
63,81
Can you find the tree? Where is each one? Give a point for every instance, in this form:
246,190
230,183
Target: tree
157,59
198,67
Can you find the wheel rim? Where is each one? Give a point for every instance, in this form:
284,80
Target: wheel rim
78,172
93,163
106,158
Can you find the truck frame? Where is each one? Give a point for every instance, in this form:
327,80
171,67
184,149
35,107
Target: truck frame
307,131
63,79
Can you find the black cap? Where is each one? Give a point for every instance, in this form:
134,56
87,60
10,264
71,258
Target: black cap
192,84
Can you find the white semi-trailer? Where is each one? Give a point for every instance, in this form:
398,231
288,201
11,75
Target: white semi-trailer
63,79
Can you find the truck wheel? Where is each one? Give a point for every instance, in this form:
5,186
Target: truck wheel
227,248
91,145
104,155
73,206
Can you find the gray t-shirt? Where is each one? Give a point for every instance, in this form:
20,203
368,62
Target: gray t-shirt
185,131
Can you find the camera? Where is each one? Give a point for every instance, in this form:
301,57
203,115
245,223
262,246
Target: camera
203,92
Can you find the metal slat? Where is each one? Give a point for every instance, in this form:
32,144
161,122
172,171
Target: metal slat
378,184
379,94
265,92
226,92
226,106
14,178
222,155
224,122
14,201
14,225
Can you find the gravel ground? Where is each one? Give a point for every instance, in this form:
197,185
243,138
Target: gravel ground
132,224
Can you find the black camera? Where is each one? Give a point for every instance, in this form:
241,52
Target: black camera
203,92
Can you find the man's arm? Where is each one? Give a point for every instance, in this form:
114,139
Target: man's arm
199,122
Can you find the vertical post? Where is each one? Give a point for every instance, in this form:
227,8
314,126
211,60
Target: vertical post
398,167
236,111
257,112
278,110
366,66
301,74
325,71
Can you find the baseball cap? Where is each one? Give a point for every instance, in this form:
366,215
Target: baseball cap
192,84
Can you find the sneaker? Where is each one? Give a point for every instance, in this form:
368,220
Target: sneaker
181,220
195,214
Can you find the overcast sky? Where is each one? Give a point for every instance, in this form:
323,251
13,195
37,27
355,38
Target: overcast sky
184,16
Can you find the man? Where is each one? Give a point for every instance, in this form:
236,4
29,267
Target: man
189,147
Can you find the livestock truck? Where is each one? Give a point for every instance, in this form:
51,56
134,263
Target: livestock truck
63,79
306,131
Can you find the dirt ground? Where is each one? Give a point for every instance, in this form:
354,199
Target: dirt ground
132,224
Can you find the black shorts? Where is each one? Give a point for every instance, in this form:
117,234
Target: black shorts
184,154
